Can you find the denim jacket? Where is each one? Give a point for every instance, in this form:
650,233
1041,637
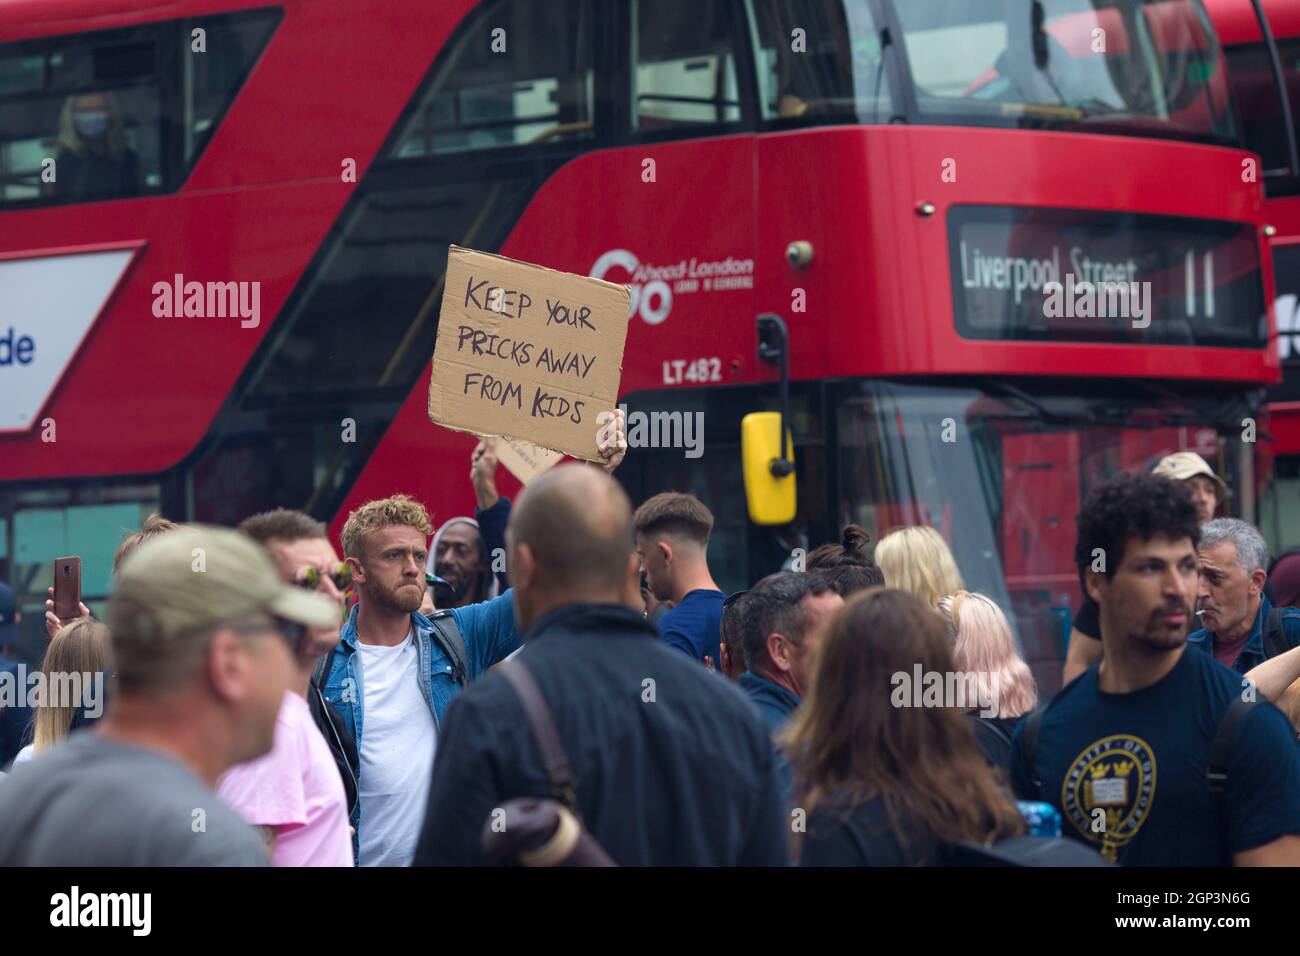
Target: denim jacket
1252,653
489,632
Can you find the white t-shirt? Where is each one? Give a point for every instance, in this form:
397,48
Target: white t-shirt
398,737
24,755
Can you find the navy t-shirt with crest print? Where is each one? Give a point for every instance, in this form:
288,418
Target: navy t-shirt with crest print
1127,771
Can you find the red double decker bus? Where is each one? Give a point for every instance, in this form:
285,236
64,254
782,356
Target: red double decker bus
228,300
1261,42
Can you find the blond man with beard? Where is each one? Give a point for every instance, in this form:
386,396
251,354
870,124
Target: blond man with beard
394,671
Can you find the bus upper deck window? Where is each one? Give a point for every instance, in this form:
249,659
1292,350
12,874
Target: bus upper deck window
1138,67
492,89
1259,107
87,115
213,74
82,118
820,60
684,69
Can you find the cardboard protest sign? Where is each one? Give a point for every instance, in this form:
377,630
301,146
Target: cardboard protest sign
527,353
525,460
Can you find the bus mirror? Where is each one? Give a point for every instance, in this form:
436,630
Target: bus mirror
771,499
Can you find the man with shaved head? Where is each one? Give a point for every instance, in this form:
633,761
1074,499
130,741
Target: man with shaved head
672,765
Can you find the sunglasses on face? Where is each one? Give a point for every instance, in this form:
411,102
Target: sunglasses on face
291,632
309,578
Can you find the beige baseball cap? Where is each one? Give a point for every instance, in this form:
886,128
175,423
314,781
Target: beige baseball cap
1187,464
188,580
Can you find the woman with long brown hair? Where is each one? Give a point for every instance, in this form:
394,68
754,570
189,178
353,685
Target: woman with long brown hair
883,780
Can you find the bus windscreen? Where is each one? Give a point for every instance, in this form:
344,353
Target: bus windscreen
1142,67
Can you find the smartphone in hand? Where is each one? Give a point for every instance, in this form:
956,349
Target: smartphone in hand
67,588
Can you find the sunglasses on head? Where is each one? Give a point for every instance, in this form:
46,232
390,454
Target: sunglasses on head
309,577
731,599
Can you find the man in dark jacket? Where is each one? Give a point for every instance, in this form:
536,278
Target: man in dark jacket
781,625
781,628
672,765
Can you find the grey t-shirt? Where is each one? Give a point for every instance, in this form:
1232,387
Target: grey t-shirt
96,802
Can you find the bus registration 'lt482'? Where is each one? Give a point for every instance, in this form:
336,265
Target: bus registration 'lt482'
702,370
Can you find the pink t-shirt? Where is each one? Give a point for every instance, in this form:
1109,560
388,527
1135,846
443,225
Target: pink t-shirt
296,789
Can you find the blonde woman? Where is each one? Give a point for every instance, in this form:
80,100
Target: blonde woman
917,560
984,647
94,159
78,648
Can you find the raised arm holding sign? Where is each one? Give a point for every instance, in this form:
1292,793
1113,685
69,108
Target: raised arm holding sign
493,511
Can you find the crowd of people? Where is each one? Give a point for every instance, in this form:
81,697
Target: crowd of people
560,680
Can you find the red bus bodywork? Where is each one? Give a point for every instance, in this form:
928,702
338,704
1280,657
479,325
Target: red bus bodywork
1238,26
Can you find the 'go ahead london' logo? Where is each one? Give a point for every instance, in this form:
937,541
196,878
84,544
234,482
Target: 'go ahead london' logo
653,287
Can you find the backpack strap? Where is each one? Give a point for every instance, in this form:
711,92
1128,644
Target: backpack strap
448,636
989,728
1275,639
321,671
332,727
997,731
559,772
1029,746
1225,740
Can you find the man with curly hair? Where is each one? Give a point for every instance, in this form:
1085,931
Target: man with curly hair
394,671
1158,756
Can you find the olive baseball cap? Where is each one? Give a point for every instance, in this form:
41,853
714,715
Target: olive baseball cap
185,581
1187,464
